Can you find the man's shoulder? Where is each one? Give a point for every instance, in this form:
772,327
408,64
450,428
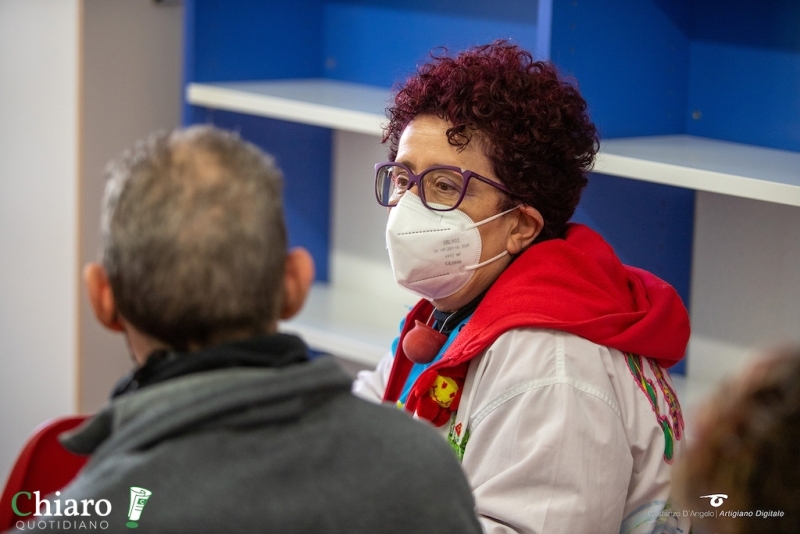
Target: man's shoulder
307,408
346,459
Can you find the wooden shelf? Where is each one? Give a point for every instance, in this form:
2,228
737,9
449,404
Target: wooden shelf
329,103
705,165
679,160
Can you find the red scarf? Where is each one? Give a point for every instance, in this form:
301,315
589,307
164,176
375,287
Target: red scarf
575,285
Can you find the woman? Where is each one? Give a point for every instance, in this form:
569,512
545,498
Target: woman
533,348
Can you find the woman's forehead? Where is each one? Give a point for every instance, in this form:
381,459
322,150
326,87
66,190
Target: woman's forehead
424,143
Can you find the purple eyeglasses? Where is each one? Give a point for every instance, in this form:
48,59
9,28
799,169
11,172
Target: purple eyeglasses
441,188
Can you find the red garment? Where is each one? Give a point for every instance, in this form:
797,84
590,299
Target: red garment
575,285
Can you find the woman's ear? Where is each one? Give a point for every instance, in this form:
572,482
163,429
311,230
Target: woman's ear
298,276
101,297
528,224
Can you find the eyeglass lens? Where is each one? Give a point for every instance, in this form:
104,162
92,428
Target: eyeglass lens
440,187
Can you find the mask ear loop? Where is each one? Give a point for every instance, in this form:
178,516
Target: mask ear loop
445,321
428,322
487,262
490,219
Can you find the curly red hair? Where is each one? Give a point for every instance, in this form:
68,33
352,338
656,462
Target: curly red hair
532,123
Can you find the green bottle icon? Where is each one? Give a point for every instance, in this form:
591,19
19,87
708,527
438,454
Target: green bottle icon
139,498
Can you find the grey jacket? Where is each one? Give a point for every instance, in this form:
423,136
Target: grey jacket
285,451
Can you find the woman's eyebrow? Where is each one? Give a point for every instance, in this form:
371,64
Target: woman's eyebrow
412,168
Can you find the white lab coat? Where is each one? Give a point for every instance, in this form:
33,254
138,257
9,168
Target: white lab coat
562,437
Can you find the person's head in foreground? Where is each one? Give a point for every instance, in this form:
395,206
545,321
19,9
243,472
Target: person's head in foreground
489,132
194,244
226,423
747,448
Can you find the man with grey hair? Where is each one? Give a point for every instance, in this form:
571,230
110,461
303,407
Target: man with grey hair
226,425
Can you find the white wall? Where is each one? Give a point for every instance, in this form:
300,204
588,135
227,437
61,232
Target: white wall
39,50
80,80
745,282
132,52
359,259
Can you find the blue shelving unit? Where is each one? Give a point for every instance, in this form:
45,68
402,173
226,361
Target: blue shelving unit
723,69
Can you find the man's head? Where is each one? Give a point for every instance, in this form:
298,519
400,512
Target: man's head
194,242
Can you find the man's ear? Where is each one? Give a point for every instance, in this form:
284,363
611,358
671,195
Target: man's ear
101,297
298,276
528,224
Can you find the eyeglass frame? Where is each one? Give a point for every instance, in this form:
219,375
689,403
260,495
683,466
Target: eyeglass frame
417,179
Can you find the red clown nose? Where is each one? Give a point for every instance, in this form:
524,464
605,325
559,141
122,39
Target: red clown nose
422,343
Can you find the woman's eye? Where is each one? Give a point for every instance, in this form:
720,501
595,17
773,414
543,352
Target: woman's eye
444,184
401,181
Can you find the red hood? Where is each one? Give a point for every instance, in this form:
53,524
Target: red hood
578,285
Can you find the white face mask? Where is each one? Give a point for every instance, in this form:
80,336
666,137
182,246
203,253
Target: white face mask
434,254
